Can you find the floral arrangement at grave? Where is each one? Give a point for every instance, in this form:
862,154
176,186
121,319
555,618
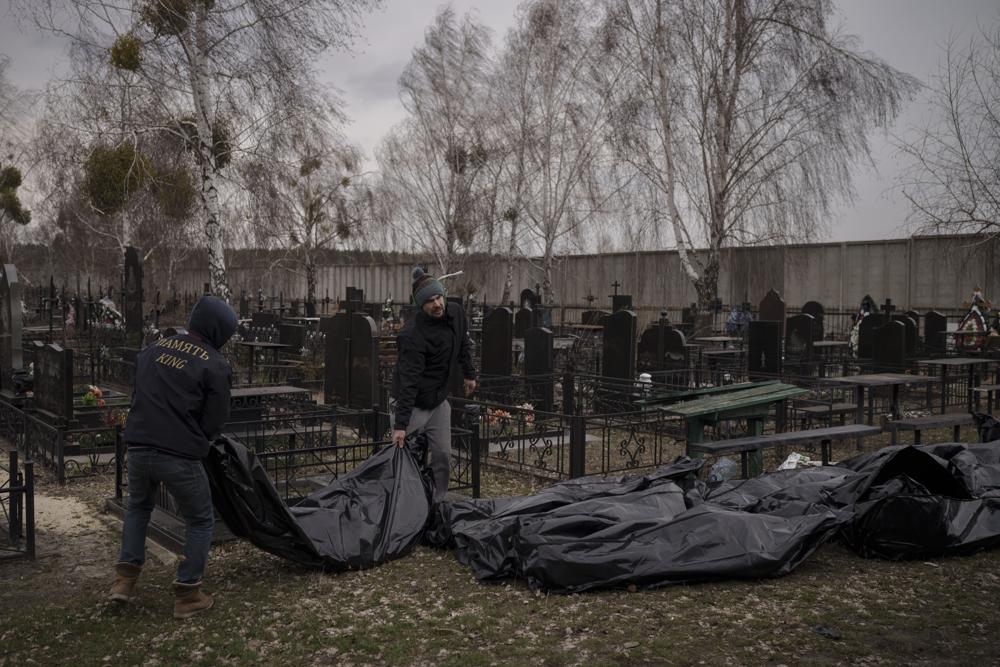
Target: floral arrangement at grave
94,397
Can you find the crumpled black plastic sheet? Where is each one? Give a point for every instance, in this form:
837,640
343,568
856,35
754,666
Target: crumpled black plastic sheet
665,528
375,513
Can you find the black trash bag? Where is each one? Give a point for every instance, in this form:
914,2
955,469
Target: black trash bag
375,513
987,426
925,502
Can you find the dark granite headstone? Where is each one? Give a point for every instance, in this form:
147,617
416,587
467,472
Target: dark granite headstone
292,335
889,348
866,335
621,302
764,349
363,392
53,381
264,320
815,308
524,319
651,351
244,306
619,345
935,324
355,298
772,309
538,367
593,317
498,334
799,338
132,297
10,325
337,358
911,334
689,314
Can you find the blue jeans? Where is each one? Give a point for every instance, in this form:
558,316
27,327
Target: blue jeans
187,482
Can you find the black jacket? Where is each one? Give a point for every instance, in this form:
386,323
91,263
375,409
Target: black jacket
426,350
181,398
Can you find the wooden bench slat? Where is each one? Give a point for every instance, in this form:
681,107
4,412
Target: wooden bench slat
833,408
752,443
931,421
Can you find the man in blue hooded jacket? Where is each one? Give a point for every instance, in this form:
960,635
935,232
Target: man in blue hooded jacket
179,405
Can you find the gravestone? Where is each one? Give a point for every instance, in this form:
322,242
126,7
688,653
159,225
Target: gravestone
543,316
264,320
799,338
53,382
815,308
675,349
524,319
619,345
244,306
363,391
935,325
621,302
889,347
337,358
764,349
355,299
538,367
498,335
292,335
911,334
651,352
593,317
772,309
913,315
132,297
866,334
11,358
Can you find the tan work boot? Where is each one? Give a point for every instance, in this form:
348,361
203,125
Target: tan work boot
126,576
189,599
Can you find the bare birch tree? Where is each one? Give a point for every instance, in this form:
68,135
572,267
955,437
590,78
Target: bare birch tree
953,184
223,73
432,161
558,122
744,115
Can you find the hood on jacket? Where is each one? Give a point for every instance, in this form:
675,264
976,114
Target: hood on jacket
214,320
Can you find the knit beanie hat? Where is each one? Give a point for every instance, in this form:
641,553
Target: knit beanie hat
425,287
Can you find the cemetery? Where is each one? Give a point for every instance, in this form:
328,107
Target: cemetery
554,332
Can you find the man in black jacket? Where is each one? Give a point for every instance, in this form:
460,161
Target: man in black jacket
179,405
428,346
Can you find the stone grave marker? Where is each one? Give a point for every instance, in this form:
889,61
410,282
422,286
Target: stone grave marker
53,382
132,297
619,345
244,306
815,308
264,320
889,347
11,344
621,302
538,367
764,349
935,325
337,358
911,334
292,335
528,299
772,309
866,334
524,319
593,317
498,335
799,338
363,391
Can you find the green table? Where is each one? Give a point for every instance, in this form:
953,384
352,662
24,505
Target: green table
753,403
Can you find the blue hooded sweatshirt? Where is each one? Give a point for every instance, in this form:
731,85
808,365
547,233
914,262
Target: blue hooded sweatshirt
181,397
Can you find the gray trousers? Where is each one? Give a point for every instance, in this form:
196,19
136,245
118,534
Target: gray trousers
436,425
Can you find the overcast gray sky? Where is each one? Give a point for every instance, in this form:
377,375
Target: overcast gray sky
908,34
